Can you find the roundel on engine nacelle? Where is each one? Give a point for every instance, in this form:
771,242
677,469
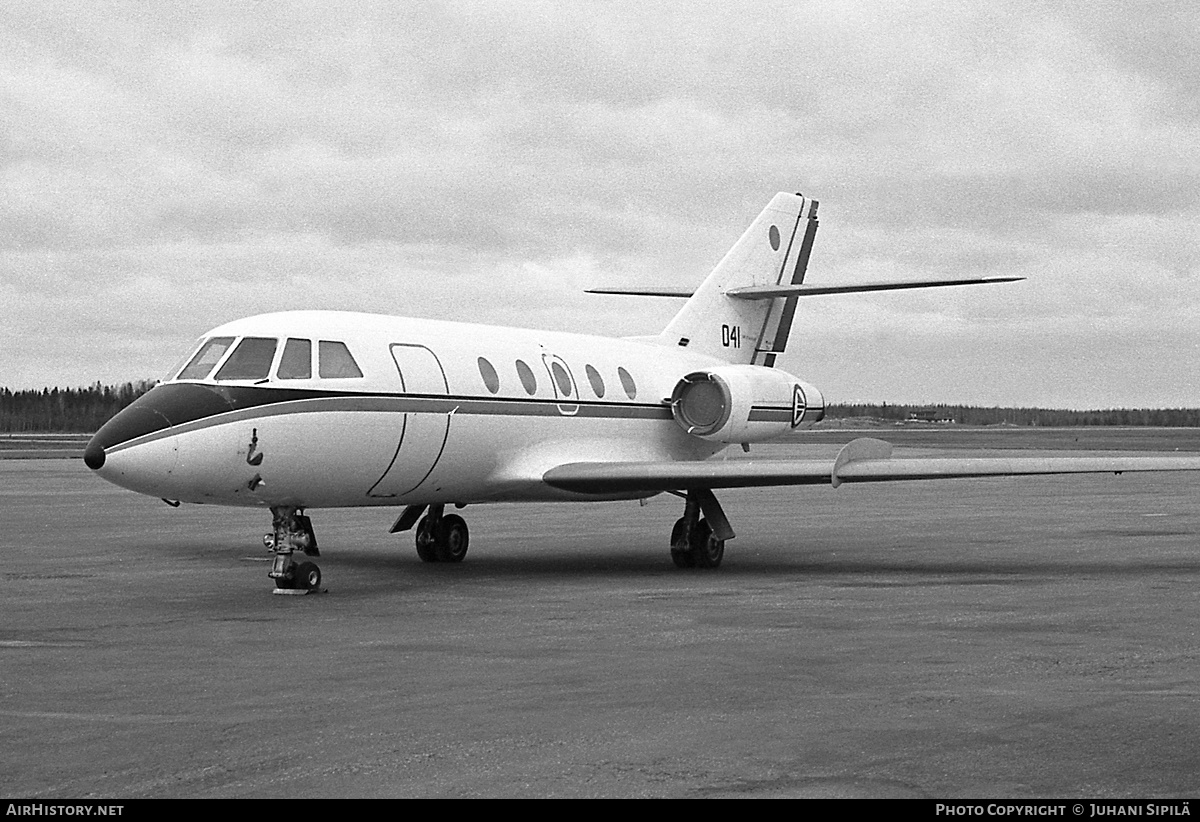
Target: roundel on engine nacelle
799,404
700,404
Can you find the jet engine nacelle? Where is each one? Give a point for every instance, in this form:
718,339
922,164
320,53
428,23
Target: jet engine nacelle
744,403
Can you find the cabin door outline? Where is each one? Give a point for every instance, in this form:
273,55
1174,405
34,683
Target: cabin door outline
423,434
567,409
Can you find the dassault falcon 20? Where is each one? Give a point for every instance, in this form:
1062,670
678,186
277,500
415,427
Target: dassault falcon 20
313,409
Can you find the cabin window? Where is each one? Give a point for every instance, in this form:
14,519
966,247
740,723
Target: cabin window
562,378
627,383
336,361
251,360
594,378
490,378
205,359
296,362
527,378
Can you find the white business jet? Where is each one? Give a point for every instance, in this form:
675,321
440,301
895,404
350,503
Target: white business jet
318,409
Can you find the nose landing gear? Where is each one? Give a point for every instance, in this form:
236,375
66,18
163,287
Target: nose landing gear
292,532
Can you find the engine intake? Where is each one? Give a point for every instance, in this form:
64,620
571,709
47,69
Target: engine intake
744,403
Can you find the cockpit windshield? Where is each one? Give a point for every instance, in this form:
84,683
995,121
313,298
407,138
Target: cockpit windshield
296,363
208,356
251,360
336,360
184,360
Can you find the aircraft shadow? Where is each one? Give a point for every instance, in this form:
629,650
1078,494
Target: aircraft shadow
865,571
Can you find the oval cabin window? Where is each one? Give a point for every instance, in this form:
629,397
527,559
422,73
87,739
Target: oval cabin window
527,377
597,382
562,378
491,379
627,383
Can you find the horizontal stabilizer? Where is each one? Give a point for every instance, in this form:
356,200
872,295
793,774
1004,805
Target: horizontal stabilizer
643,292
863,460
769,292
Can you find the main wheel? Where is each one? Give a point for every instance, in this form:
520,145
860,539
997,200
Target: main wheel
452,538
707,550
681,550
308,576
426,549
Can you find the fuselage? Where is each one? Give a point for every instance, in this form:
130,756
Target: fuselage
331,409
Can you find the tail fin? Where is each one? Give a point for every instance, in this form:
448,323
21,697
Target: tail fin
774,250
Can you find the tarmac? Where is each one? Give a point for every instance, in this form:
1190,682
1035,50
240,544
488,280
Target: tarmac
944,639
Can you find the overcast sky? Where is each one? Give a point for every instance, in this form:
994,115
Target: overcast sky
166,167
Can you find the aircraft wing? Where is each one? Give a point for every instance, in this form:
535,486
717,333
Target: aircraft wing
863,460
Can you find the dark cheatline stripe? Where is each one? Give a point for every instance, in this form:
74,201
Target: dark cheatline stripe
762,413
191,405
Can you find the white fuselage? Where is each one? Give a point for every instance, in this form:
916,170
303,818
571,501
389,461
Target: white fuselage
426,422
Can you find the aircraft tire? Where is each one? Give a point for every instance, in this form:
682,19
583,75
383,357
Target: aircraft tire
681,552
453,538
426,549
707,550
308,576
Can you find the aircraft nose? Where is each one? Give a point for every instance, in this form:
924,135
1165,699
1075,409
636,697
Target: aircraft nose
159,408
134,421
93,455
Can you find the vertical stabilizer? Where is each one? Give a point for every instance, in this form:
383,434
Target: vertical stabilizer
773,251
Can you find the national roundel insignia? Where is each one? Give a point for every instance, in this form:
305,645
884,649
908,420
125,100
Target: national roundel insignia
799,405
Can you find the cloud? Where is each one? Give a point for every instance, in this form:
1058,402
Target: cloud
485,162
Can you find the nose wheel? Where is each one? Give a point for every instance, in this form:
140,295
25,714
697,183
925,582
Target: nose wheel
293,532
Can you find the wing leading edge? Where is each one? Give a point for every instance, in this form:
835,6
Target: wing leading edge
863,460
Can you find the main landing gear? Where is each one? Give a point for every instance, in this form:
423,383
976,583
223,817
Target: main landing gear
292,532
700,543
441,537
695,542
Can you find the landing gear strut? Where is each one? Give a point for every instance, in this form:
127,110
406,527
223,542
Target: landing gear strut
292,531
441,537
700,543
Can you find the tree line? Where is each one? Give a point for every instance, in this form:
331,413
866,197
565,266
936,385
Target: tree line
1050,417
84,410
66,410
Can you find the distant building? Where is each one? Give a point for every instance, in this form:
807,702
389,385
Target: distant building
930,415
